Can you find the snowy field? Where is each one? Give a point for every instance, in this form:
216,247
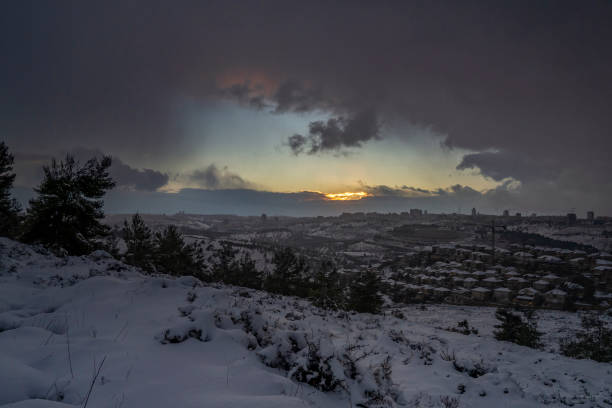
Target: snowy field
68,323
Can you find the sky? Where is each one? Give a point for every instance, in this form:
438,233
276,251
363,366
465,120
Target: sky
249,107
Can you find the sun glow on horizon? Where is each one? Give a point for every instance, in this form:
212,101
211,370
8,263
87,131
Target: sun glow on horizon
347,196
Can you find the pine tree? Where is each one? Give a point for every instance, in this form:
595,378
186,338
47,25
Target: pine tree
594,341
139,241
288,277
9,208
68,209
175,257
517,329
364,296
249,275
326,291
224,266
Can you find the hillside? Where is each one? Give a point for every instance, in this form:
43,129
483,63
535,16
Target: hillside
159,341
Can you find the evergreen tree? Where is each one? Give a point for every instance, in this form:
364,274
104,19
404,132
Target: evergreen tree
68,209
140,245
230,269
249,275
326,291
224,266
175,257
9,208
288,277
593,342
364,294
517,329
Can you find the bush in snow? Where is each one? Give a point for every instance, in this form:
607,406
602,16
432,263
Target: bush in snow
67,212
474,369
518,329
315,369
593,342
201,326
463,327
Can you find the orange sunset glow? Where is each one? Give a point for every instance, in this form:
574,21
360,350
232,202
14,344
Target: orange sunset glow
347,196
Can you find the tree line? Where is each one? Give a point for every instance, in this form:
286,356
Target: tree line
66,213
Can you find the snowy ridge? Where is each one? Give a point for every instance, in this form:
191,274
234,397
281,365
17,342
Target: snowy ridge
175,342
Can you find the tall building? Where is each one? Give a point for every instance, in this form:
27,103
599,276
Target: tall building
473,212
571,218
415,212
506,213
590,216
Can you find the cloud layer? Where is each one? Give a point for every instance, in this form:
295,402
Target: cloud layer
528,82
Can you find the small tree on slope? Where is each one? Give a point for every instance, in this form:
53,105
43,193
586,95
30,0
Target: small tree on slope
326,291
140,245
363,293
516,329
593,342
289,275
9,208
68,209
175,257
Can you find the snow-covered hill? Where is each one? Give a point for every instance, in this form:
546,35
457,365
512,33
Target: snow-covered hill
174,342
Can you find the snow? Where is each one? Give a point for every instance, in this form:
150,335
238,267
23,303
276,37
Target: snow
63,318
549,258
482,290
505,290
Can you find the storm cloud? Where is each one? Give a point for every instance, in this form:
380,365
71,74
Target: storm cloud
337,133
28,168
529,81
214,178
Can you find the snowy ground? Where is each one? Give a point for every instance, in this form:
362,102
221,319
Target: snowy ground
160,342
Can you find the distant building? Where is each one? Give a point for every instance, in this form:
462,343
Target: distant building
473,212
506,213
416,212
571,218
518,214
590,216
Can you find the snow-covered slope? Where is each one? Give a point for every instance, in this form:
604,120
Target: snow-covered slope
161,342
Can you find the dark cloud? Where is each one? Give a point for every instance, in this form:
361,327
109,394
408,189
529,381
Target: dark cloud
214,178
387,191
28,168
294,96
500,165
138,179
416,190
246,95
528,80
124,175
336,134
